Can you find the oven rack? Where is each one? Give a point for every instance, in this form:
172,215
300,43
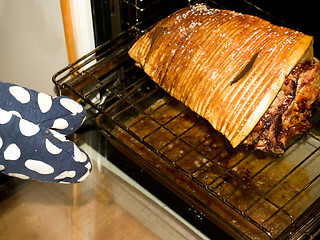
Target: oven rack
226,173
111,95
107,81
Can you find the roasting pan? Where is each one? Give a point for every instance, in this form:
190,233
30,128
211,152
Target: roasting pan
246,193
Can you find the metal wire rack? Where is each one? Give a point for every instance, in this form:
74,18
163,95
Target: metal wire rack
248,193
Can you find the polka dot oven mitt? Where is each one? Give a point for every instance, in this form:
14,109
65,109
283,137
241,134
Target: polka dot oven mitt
33,129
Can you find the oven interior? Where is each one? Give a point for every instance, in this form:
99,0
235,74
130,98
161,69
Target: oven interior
238,193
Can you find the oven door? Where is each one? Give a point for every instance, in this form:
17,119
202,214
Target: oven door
108,205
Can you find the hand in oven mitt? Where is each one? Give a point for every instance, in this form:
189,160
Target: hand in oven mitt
33,129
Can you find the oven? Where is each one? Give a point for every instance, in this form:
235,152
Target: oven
174,155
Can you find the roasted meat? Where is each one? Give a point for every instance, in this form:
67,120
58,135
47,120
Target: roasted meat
250,79
288,114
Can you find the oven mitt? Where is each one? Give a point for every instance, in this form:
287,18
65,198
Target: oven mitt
33,129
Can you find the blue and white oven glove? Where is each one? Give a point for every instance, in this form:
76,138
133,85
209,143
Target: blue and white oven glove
33,129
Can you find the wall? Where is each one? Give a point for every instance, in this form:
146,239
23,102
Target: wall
32,43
